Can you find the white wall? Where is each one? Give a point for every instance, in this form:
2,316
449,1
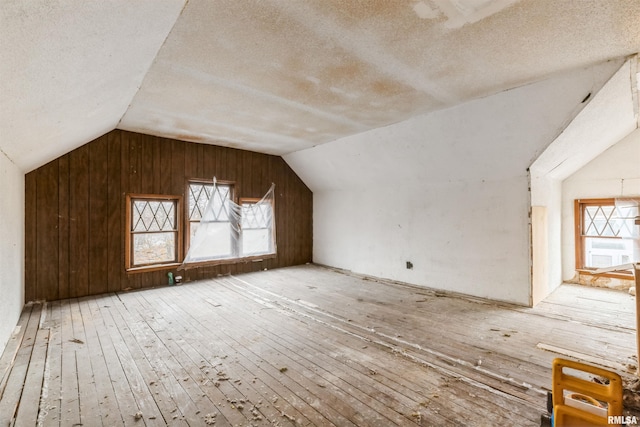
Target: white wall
11,247
608,117
546,192
447,191
615,173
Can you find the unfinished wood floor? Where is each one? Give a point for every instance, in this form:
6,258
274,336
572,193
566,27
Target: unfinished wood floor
301,346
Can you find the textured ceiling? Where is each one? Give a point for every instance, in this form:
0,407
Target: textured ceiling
277,76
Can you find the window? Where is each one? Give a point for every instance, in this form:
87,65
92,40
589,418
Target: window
257,227
605,233
225,230
218,242
153,238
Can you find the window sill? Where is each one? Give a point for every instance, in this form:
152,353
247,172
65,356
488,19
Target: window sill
155,267
211,263
613,275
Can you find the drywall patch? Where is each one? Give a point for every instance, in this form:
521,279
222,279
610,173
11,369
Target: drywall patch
424,11
461,12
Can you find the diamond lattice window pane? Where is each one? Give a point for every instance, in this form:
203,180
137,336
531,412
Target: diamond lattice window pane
588,226
141,219
221,203
600,221
153,216
626,221
149,216
608,213
199,195
255,215
170,221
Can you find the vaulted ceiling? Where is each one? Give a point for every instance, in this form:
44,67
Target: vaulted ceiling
276,76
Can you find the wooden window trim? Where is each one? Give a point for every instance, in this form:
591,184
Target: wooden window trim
578,208
612,275
245,260
238,200
129,268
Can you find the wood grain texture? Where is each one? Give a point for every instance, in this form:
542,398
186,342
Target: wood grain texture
98,216
47,244
79,232
115,226
77,204
63,227
303,345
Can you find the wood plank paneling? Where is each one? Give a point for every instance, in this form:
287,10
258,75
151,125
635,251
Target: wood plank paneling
145,175
192,156
115,226
147,172
165,165
98,216
177,167
157,166
79,230
63,227
76,203
206,160
219,164
125,168
47,232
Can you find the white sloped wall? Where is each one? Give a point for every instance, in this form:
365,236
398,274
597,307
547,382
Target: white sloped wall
11,247
447,191
608,117
615,173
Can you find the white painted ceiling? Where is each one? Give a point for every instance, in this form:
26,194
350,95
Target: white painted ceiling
276,76
611,115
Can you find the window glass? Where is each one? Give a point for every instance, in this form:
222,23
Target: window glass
221,229
257,234
607,235
215,239
153,230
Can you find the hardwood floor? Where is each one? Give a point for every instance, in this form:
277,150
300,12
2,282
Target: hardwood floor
302,346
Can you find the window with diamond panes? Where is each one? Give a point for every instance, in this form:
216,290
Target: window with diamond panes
153,237
257,227
218,241
604,234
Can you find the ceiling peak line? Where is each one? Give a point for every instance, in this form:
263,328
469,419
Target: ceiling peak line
152,63
8,158
359,44
635,87
239,87
257,135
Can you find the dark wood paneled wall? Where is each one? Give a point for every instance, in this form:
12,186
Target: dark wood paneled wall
75,207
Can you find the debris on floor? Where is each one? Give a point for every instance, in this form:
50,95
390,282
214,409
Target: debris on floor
631,393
